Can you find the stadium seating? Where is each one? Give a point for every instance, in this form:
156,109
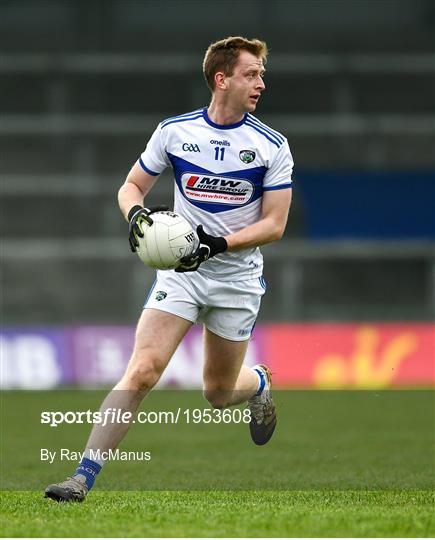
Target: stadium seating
83,89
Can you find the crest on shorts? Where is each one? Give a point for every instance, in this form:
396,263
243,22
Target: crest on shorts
247,156
161,295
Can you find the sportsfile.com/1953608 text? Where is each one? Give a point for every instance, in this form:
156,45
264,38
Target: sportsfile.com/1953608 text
120,416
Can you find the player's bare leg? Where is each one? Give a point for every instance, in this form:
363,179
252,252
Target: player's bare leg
228,382
157,337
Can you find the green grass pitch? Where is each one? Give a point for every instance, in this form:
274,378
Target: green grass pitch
340,464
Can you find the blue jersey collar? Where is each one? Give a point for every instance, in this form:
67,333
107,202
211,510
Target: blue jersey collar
220,126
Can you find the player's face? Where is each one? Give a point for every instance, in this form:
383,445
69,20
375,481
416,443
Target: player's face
246,83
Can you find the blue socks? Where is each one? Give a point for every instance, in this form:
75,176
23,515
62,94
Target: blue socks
89,469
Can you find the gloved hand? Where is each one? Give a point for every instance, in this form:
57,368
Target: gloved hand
137,216
209,246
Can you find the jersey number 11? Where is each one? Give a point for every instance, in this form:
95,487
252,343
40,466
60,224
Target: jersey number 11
216,153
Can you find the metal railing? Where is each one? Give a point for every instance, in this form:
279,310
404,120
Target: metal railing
339,123
291,266
181,63
336,124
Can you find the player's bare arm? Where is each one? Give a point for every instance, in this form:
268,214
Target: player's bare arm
135,188
271,227
130,198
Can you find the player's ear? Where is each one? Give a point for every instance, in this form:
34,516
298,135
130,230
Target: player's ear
220,80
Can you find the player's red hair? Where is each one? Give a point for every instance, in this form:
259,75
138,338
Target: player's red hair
223,55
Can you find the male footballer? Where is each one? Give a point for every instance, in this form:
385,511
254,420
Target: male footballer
233,183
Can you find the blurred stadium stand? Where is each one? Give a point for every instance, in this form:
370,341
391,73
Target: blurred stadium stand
350,83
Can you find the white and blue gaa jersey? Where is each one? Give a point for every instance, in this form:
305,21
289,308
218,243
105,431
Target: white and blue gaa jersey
221,173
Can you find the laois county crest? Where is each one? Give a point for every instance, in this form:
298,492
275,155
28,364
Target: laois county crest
247,156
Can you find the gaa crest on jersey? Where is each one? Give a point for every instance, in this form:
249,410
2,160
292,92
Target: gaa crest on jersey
190,147
216,189
247,156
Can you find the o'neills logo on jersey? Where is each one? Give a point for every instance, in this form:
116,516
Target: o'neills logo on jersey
217,189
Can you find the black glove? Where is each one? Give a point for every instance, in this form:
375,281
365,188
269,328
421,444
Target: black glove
137,216
209,246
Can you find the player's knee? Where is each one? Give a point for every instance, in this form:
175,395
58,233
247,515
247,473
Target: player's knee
142,373
218,399
141,377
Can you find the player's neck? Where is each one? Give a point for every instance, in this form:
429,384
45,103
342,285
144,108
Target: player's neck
222,114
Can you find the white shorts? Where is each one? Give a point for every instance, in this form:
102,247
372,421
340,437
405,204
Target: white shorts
227,308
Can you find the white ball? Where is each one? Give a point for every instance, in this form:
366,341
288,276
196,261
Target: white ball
166,241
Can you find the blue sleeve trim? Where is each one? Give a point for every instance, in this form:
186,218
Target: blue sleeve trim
177,120
185,115
271,131
145,168
281,186
264,133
